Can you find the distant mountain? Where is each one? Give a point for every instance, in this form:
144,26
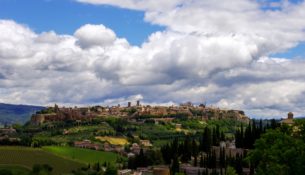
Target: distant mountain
10,113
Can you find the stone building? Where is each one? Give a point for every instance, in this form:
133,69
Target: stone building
289,120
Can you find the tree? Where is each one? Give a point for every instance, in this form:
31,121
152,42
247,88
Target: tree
238,164
139,161
111,170
201,162
97,166
195,161
154,157
206,141
195,148
278,153
239,137
230,171
166,153
175,165
186,150
222,158
44,169
5,172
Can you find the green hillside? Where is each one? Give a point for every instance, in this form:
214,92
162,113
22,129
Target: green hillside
27,157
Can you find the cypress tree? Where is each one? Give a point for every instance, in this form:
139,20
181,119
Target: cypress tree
195,161
222,157
207,140
195,148
261,127
217,135
214,137
222,136
214,159
238,164
187,152
175,165
201,162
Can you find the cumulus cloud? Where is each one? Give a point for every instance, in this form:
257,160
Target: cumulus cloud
267,99
94,35
209,51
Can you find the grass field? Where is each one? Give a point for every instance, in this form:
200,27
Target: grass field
82,155
16,170
27,157
113,140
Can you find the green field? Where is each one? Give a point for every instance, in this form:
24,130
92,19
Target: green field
27,157
82,155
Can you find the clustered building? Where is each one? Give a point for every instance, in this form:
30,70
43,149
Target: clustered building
130,111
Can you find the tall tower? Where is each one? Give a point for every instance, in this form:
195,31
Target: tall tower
290,115
138,103
129,104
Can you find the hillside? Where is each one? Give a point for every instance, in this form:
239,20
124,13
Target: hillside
27,157
10,113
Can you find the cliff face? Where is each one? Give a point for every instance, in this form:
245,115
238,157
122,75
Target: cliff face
62,114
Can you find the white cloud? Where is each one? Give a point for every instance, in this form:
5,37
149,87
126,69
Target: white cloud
217,52
94,35
268,99
11,40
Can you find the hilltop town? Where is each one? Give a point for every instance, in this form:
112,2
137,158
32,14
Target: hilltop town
135,130
137,111
137,139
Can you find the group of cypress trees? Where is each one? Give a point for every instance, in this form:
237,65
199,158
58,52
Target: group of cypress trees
246,137
192,146
200,148
144,159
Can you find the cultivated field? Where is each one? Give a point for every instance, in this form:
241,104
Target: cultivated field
113,140
27,157
82,155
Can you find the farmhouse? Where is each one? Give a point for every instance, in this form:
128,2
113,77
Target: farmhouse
113,148
7,131
145,143
135,148
86,144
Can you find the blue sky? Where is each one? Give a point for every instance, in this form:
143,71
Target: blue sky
65,16
296,52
